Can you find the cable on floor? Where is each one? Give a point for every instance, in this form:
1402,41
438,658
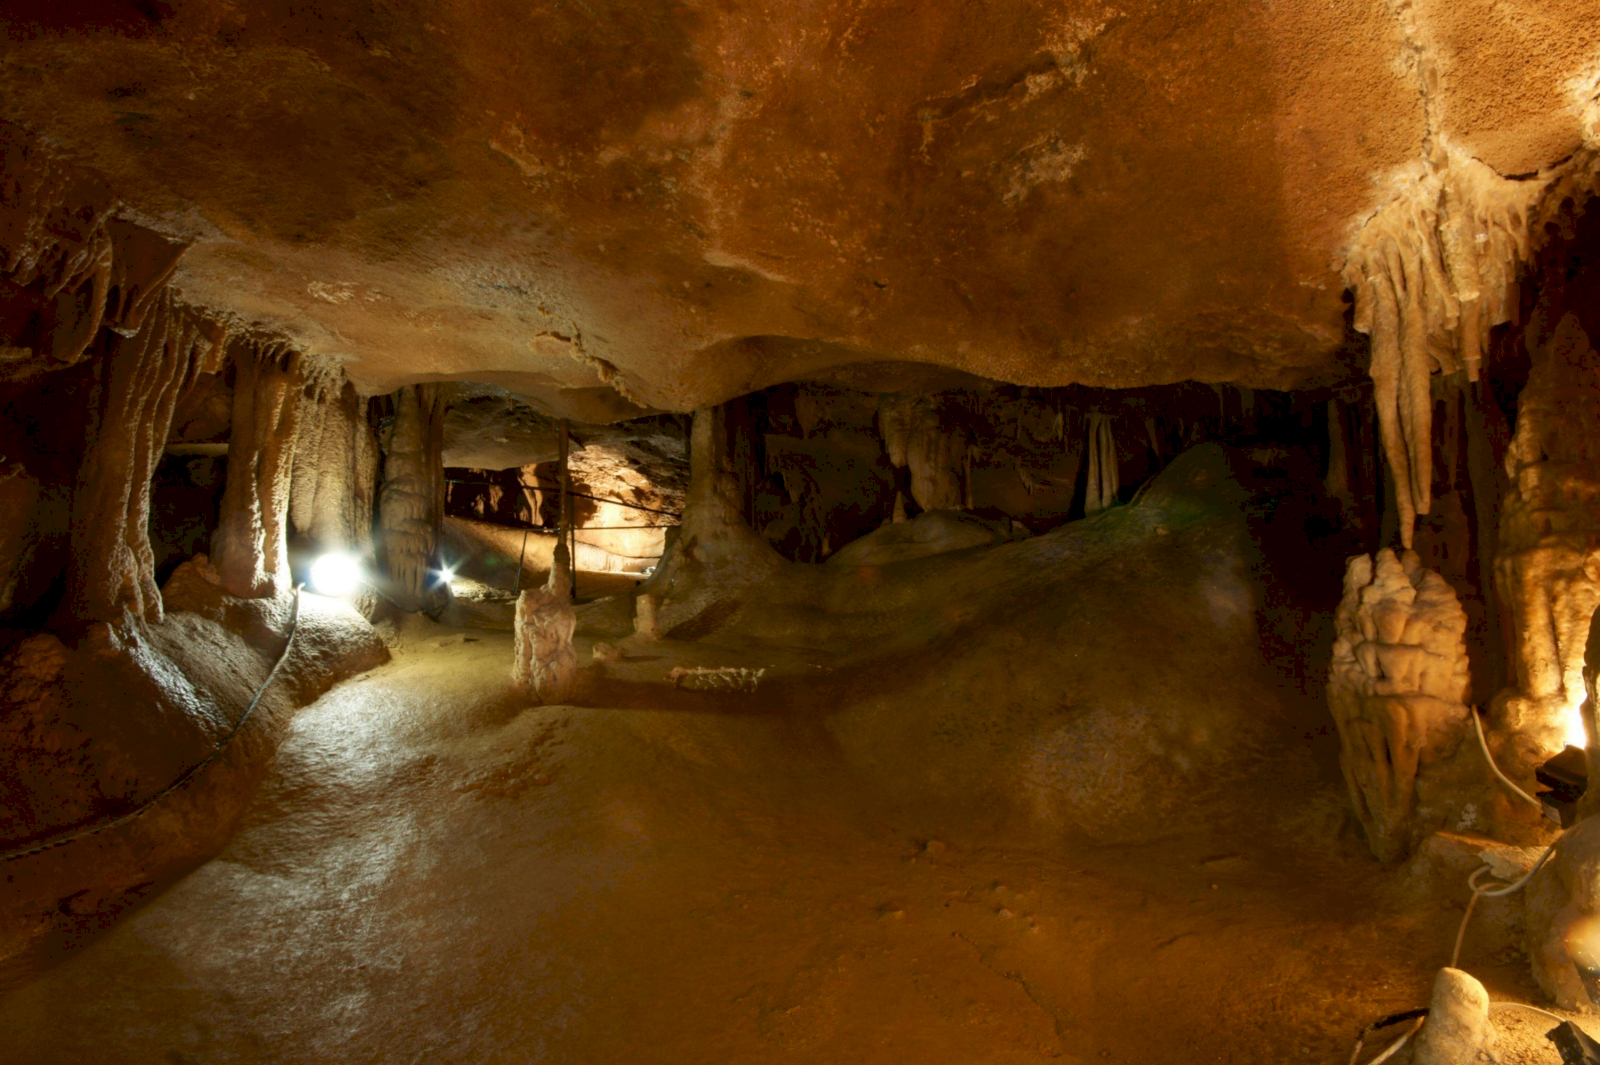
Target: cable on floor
144,807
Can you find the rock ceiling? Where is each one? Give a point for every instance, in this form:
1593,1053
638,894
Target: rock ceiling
615,204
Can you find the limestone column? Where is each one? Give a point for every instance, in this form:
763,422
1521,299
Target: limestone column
250,545
140,379
411,502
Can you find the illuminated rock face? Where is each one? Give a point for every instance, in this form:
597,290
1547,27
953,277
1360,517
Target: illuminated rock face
1397,689
1548,565
1563,915
680,203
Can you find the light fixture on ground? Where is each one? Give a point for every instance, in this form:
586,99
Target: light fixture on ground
335,573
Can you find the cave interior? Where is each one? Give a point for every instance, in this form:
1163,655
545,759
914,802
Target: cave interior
677,531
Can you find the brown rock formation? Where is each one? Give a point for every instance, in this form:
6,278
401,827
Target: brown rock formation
1548,566
411,501
1398,690
687,203
332,491
251,544
139,380
545,665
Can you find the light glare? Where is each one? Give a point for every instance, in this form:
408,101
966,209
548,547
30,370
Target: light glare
1576,734
335,573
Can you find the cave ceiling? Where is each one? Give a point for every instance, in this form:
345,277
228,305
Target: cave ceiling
613,205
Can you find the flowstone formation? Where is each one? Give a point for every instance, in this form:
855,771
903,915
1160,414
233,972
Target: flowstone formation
1398,691
545,665
1548,568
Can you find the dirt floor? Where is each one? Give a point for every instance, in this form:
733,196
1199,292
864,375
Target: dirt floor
436,872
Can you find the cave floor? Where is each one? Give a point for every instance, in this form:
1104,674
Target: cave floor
435,872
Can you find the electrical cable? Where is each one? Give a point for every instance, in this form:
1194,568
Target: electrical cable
1478,891
1525,1006
1394,1048
1491,893
144,807
1417,1015
1483,745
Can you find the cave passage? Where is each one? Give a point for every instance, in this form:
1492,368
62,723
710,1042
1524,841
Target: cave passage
680,532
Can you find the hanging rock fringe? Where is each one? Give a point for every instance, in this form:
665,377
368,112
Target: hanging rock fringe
1433,272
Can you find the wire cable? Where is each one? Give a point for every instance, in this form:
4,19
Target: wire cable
1525,1006
1483,745
139,811
1489,891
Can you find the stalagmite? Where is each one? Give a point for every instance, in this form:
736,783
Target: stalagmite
140,380
411,502
1101,486
1433,272
1458,1028
645,625
1397,689
250,545
1548,565
545,665
916,437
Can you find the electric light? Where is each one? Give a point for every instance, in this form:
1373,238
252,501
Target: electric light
335,573
1572,721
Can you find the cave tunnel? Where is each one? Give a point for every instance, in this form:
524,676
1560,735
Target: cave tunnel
662,532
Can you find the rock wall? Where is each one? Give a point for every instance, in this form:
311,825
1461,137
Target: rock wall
139,380
105,371
1398,690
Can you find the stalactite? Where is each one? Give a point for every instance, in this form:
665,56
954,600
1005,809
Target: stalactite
141,264
1101,485
250,545
411,502
141,378
1432,272
52,219
58,233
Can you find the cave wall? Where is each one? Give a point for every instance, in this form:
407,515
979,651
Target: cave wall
819,466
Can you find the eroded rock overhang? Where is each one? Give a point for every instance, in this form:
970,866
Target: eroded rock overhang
610,206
